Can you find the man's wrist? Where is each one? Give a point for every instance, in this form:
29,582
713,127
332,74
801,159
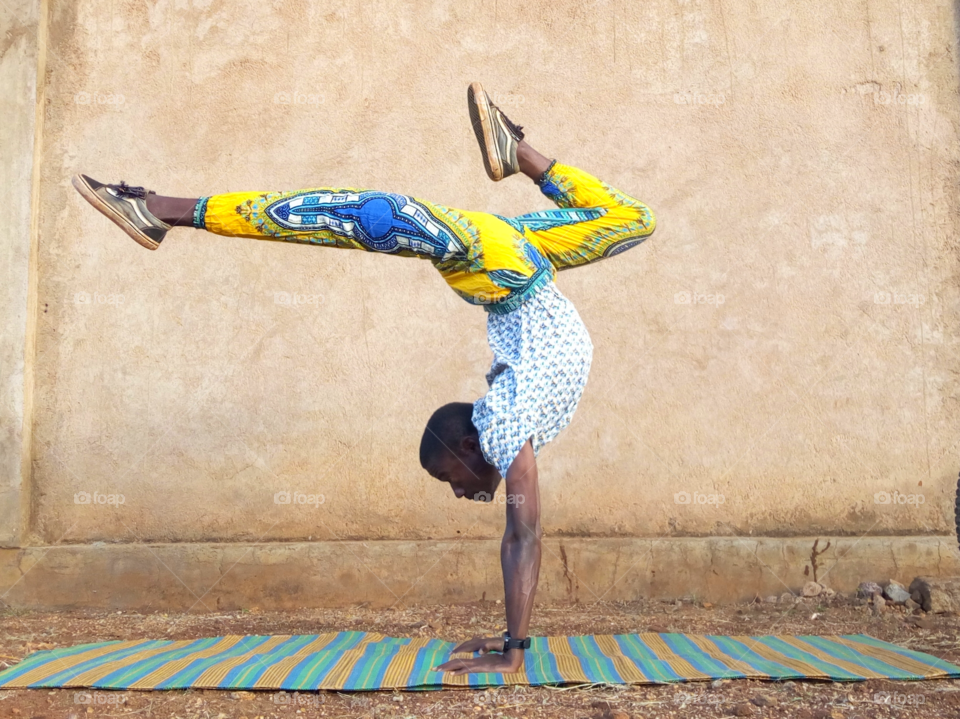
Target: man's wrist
514,643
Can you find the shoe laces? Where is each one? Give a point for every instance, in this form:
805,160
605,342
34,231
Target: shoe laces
517,130
124,190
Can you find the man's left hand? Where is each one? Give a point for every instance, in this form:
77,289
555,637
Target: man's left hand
495,663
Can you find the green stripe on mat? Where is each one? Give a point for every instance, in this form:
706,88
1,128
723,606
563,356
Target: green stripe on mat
357,661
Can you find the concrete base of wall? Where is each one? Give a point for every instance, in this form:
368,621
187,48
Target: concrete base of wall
201,577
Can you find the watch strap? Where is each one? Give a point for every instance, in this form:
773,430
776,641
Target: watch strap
511,643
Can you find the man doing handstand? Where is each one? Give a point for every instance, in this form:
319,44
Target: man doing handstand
541,349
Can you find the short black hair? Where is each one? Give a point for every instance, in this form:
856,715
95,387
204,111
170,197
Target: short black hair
445,429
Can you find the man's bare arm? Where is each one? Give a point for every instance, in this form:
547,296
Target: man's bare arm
520,561
520,549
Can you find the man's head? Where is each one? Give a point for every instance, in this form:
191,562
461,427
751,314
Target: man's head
450,451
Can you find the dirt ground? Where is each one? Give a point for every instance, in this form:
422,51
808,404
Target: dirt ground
24,632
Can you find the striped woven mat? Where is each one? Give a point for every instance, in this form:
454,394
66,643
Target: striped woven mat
367,661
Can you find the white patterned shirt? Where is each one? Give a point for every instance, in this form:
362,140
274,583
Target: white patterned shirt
541,359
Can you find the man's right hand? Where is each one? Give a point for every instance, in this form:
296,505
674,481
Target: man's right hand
484,645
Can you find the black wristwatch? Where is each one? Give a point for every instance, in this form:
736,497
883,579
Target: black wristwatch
511,643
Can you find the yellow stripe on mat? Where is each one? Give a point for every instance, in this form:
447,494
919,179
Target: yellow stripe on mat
93,675
62,664
770,654
276,674
891,657
665,654
568,663
715,652
168,669
629,671
338,674
823,656
398,671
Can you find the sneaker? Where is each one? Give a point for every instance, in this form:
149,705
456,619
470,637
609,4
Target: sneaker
498,137
127,207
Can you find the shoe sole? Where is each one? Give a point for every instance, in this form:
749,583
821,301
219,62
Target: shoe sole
482,120
90,196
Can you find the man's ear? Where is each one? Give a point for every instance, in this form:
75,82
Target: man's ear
470,444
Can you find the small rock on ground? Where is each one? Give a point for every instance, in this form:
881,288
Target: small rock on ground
922,622
896,592
868,589
812,589
879,604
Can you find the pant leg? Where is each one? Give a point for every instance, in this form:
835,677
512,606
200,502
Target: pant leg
485,260
340,217
595,219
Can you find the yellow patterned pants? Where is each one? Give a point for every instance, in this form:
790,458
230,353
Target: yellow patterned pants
487,259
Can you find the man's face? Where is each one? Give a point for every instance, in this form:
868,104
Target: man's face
468,474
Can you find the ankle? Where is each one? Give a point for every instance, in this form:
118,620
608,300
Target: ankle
175,211
532,163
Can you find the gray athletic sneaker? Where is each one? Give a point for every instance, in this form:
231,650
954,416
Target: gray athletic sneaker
498,137
126,206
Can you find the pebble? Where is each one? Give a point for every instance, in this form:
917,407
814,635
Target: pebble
868,589
762,700
922,622
772,599
744,710
896,592
812,589
786,598
911,605
878,604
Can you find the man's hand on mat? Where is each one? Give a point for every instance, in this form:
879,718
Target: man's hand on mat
483,645
495,663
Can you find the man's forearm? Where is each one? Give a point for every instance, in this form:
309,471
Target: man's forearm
520,560
520,550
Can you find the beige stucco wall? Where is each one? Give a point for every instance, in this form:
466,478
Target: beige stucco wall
802,163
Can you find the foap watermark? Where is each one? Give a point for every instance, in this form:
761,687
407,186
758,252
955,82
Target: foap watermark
299,498
296,699
899,699
516,499
898,298
296,298
99,499
896,97
698,498
298,98
98,298
99,98
702,699
483,298
698,298
508,99
99,698
896,497
699,98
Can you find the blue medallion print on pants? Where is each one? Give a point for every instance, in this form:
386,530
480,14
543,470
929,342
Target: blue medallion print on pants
380,221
